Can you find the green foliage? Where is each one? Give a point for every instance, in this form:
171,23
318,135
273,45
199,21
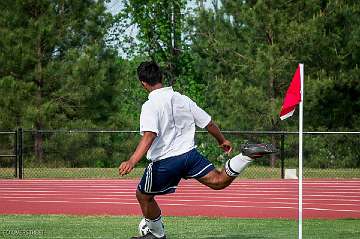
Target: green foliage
60,69
56,68
259,44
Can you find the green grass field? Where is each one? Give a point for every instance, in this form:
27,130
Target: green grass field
253,172
56,226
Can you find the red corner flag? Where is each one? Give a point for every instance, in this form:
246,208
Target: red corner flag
292,97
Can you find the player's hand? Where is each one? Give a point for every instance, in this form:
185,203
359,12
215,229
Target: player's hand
226,146
126,167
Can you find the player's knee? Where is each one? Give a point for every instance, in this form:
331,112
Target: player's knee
218,183
218,186
216,180
143,198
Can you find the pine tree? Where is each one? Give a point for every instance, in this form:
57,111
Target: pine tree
247,52
56,69
160,28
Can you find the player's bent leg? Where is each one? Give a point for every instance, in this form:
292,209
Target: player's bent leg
216,179
204,171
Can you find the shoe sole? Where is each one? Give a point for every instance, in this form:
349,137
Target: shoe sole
258,150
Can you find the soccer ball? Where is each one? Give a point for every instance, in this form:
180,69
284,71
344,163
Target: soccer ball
143,228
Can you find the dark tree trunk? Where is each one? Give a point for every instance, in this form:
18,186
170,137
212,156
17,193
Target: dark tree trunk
38,147
175,41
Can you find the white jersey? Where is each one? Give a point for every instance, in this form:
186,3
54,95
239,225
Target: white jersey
172,117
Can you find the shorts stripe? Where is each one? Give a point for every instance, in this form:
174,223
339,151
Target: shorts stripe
192,176
147,179
148,182
169,188
150,178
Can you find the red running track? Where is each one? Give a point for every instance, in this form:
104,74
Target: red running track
244,198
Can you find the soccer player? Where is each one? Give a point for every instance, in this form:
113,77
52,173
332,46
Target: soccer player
167,126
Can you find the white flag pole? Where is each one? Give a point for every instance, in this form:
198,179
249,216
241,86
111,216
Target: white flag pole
301,149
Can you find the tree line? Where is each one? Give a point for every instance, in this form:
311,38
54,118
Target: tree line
61,66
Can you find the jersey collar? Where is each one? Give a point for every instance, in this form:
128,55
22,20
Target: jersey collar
160,91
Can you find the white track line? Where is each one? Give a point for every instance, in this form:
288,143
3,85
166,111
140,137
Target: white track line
240,182
181,187
132,196
182,192
344,187
188,196
195,205
51,189
280,184
196,200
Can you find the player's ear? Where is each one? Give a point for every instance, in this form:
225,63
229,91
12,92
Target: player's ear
145,85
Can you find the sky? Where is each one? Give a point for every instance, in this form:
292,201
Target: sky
115,6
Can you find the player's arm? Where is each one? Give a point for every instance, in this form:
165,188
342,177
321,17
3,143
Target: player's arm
203,120
143,146
214,130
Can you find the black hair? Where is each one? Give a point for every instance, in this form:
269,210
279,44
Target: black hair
150,72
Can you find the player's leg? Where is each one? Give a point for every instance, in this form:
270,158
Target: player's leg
149,206
161,177
219,179
152,215
216,179
200,168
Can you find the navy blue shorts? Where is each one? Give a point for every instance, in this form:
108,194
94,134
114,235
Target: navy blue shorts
163,176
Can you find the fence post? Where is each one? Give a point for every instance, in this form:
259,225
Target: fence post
20,152
16,148
282,156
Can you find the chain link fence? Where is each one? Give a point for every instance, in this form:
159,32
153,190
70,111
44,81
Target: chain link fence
8,152
77,154
98,153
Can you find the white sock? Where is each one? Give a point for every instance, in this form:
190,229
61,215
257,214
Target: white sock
235,165
156,226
